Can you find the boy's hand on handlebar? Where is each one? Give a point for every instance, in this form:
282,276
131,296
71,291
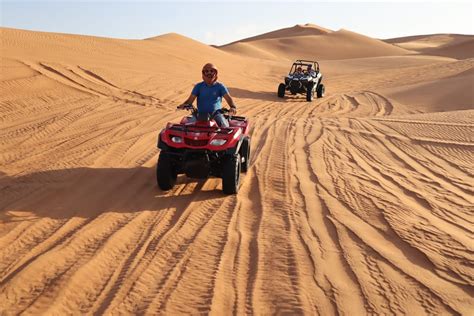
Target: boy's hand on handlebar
233,110
185,106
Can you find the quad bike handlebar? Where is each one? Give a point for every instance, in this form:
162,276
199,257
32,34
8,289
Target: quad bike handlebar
193,110
188,107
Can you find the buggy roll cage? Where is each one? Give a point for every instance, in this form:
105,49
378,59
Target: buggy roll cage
306,63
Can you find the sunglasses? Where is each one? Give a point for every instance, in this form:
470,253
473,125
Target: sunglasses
209,71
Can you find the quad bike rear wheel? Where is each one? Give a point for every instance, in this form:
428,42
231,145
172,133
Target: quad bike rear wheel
165,172
281,90
231,175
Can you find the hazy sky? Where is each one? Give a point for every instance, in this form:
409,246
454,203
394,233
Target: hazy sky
224,21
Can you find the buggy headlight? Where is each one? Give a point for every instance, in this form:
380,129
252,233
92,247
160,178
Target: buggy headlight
176,139
218,142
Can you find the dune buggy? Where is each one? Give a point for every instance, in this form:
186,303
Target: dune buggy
304,78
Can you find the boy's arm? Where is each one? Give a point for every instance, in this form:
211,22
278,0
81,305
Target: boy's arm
230,101
189,100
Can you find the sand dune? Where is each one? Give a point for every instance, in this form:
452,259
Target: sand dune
312,42
428,41
357,203
460,51
455,92
449,45
295,31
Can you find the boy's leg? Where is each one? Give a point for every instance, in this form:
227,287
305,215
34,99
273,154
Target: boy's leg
221,120
191,119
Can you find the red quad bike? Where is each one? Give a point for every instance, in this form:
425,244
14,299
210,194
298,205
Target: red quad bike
199,148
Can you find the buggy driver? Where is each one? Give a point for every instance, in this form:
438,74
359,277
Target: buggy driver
311,71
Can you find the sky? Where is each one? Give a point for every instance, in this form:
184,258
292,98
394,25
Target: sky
222,22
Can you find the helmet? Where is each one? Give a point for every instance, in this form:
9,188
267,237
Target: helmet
209,73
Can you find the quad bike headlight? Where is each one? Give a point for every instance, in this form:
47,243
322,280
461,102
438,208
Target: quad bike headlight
218,142
176,139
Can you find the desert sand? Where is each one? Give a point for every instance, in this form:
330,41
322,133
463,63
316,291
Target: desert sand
357,203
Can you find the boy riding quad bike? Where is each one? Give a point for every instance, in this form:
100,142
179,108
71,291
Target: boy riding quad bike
304,78
199,148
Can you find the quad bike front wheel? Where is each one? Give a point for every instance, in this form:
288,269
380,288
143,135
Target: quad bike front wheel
245,154
231,175
281,90
165,173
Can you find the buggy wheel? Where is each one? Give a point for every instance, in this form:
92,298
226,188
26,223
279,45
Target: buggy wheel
309,93
165,172
320,90
245,154
231,175
281,90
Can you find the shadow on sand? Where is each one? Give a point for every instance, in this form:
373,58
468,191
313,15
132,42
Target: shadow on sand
256,95
265,95
89,192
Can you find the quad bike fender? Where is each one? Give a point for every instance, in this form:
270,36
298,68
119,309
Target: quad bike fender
161,144
236,149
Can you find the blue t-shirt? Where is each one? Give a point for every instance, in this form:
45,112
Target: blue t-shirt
209,98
